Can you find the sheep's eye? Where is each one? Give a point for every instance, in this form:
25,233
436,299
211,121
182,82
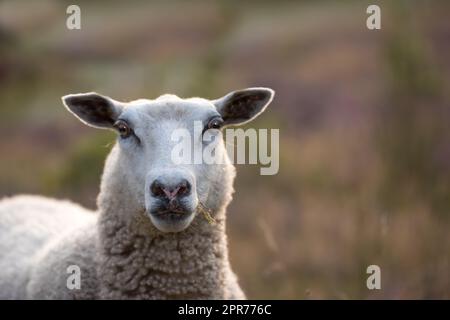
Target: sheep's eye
214,123
123,129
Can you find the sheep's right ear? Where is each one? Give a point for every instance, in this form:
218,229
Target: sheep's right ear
93,109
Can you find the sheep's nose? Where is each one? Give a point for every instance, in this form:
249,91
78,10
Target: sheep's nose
170,191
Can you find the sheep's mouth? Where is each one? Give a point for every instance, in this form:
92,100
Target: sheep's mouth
171,215
171,220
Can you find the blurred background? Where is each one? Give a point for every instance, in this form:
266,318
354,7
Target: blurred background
363,116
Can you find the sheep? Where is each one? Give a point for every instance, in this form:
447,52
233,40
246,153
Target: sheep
148,238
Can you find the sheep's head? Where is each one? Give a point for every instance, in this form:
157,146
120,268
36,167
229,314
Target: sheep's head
152,133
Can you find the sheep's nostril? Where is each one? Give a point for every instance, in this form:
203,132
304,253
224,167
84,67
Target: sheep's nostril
157,189
184,188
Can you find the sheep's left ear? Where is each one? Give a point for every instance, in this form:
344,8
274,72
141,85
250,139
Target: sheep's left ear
93,109
241,106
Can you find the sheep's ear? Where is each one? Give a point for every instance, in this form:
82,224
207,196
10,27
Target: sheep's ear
93,109
241,106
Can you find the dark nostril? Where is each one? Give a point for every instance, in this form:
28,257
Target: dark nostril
184,188
157,189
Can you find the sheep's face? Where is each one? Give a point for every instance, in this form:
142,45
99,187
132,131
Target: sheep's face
162,148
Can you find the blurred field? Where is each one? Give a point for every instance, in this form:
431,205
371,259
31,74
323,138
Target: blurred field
364,121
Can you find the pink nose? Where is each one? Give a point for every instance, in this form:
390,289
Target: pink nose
170,192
